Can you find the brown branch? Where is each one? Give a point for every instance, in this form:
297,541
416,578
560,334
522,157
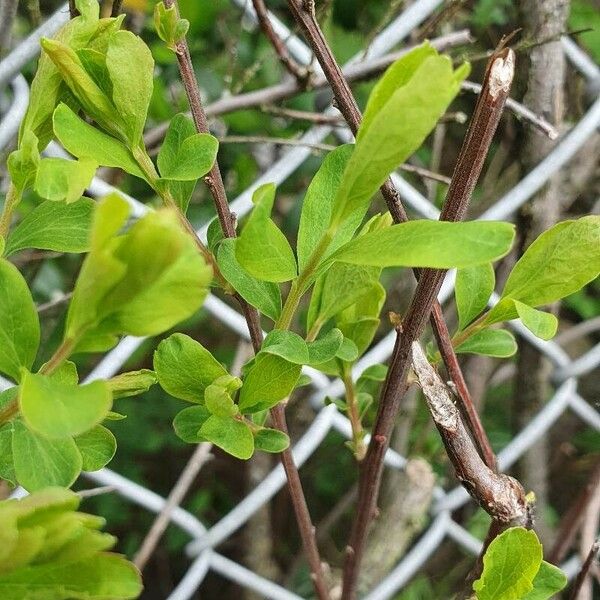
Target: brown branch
585,569
483,125
215,184
303,115
73,9
500,495
117,7
301,74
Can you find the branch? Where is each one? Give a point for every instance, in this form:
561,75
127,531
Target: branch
116,8
501,496
585,569
300,74
214,182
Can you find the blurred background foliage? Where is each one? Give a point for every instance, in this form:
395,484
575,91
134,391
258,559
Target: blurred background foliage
232,56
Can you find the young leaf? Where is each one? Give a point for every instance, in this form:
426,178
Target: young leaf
131,70
434,244
510,564
548,581
474,286
59,410
19,323
230,435
169,27
541,324
54,226
185,368
60,179
271,440
219,402
131,383
186,155
23,163
189,421
318,203
403,121
288,345
490,342
262,249
325,348
41,462
269,380
84,140
263,295
97,447
558,263
348,351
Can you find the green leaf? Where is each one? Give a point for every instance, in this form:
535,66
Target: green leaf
23,163
474,286
131,69
60,410
83,140
97,447
189,421
104,576
169,27
541,324
264,295
325,348
558,263
318,203
490,342
434,244
185,368
131,383
348,351
549,581
510,564
396,128
60,179
269,380
19,323
7,468
271,440
262,249
288,345
54,226
186,155
140,283
230,435
41,462
219,402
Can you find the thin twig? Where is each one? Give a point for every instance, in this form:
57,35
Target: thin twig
227,221
303,115
97,491
198,459
73,9
277,141
117,7
585,569
301,74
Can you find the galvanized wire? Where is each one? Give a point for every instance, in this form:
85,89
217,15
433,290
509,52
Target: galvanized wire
442,527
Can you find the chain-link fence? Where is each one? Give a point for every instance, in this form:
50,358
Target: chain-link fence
566,370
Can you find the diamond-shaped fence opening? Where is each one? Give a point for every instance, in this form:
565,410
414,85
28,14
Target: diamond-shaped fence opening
566,371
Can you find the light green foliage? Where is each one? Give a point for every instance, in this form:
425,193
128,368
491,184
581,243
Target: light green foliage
19,323
54,226
271,440
229,434
287,345
83,140
130,283
262,249
97,448
541,324
490,342
474,286
23,162
62,410
435,244
131,383
511,566
186,155
40,462
60,179
169,27
50,551
325,347
269,380
185,368
264,295
130,67
409,99
188,422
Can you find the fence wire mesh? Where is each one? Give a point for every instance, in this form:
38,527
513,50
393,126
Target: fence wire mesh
204,540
